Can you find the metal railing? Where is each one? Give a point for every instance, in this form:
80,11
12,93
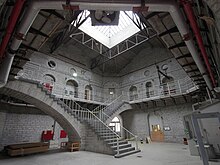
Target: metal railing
109,109
174,88
102,111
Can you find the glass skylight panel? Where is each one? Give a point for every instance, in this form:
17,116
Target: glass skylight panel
110,35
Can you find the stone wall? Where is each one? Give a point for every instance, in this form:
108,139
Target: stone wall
25,128
137,121
2,123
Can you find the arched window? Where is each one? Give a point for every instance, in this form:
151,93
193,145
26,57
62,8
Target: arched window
48,81
168,86
148,89
133,93
115,124
72,88
88,92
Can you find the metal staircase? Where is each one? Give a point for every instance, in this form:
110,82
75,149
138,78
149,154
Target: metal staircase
119,144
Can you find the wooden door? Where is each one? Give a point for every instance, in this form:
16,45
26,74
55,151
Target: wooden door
157,134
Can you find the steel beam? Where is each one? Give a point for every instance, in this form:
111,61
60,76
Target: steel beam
35,31
193,70
184,56
172,30
58,15
181,44
28,47
189,64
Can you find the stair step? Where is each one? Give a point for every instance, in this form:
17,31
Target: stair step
121,146
127,153
111,140
124,150
120,142
109,137
106,133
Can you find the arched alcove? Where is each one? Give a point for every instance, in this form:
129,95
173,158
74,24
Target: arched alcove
48,81
133,93
168,85
72,88
48,78
88,92
148,86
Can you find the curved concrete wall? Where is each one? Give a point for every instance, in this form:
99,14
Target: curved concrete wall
32,94
29,92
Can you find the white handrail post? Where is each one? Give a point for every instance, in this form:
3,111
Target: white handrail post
117,146
136,142
179,86
168,88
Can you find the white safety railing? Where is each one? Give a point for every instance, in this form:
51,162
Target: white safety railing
62,92
85,115
174,88
102,111
109,109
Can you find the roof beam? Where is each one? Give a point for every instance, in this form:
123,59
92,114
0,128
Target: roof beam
172,30
184,56
200,79
28,47
195,76
21,58
189,64
15,66
54,13
194,70
35,31
181,44
151,15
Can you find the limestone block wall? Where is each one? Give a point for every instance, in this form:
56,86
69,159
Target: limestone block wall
24,128
140,77
38,67
137,121
2,124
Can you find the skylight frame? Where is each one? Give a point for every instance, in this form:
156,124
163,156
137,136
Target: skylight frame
110,36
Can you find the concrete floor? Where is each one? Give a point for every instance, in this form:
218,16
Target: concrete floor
152,154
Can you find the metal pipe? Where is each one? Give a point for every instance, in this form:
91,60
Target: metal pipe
11,25
8,60
191,17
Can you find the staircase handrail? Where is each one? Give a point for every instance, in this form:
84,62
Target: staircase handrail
109,105
101,106
111,118
89,117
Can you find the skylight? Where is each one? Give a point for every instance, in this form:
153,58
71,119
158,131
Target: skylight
110,35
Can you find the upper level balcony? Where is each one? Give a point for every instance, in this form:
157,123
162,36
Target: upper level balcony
88,94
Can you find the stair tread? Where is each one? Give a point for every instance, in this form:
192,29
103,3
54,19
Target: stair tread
120,141
121,145
122,149
127,153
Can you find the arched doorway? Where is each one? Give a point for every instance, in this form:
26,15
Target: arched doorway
72,88
148,89
48,81
133,93
115,125
168,86
88,92
156,127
